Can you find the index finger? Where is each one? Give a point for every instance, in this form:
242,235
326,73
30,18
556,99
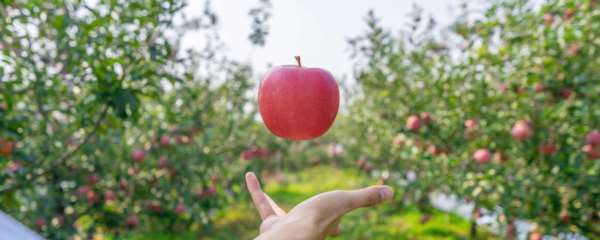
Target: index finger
260,200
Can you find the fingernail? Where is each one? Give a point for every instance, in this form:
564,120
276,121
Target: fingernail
386,193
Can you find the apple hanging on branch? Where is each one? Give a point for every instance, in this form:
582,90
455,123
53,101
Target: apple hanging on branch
298,103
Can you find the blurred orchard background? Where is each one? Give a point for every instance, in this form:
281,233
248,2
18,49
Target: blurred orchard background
134,120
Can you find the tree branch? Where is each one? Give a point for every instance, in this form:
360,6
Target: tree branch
67,155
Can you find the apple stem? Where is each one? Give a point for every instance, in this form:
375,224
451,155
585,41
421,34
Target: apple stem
298,61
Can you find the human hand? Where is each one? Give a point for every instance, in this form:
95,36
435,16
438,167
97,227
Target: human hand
316,217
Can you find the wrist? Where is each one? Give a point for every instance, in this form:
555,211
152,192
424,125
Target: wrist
292,230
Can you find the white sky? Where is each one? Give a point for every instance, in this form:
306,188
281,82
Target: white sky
317,30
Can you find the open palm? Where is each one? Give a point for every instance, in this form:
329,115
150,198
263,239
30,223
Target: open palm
314,218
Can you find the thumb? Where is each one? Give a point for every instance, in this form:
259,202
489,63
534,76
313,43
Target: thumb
338,203
367,197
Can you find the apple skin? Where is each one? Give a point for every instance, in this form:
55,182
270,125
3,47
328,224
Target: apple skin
593,137
547,148
413,123
521,130
138,155
6,147
298,103
482,155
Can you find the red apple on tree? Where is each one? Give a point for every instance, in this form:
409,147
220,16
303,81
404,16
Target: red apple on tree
180,209
482,155
521,130
566,93
538,87
413,123
132,221
547,148
592,152
6,147
298,103
93,179
425,117
40,222
471,123
564,216
92,197
163,162
165,140
138,155
110,196
593,137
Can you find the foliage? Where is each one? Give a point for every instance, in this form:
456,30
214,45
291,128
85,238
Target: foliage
518,62
238,221
115,126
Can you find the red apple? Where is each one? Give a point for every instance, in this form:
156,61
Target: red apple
123,185
154,206
83,190
547,148
110,196
138,155
566,93
425,117
262,152
471,123
593,152
502,87
538,87
132,171
564,216
132,221
248,154
593,137
40,222
298,103
6,147
434,150
92,197
165,140
211,191
482,155
93,179
163,162
413,123
521,130
180,209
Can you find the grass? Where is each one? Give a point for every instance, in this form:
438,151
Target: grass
240,221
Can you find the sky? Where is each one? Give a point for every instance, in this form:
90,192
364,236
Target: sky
316,30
